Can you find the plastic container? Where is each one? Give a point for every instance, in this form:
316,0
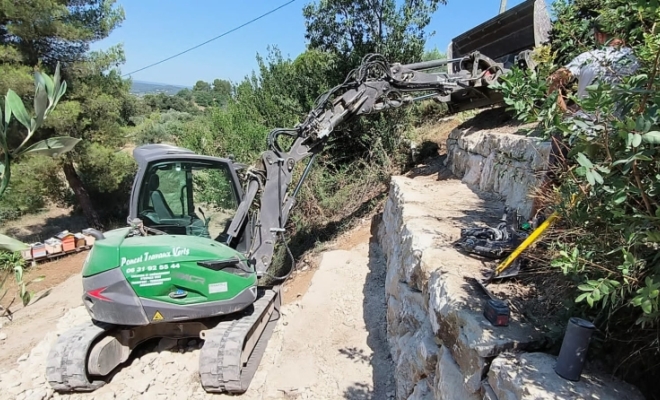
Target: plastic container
574,347
497,312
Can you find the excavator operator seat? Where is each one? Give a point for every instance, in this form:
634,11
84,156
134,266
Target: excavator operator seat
158,200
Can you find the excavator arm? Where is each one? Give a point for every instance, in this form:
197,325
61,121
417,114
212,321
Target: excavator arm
374,86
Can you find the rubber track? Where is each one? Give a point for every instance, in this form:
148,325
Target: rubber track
66,367
220,366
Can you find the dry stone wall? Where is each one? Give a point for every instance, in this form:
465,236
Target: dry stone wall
507,164
441,344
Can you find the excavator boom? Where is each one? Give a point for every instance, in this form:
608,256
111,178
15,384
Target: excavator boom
374,86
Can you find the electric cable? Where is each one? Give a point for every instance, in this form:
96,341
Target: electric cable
210,40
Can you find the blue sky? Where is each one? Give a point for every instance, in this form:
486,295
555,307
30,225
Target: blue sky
156,29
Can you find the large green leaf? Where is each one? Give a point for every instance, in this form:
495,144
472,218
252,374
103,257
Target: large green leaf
652,137
17,108
40,104
50,87
56,77
7,113
11,244
53,146
6,174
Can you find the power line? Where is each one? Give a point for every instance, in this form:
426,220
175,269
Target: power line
210,40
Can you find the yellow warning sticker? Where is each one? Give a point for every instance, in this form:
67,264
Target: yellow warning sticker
158,316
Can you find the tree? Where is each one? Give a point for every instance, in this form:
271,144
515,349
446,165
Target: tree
39,33
201,86
221,91
353,28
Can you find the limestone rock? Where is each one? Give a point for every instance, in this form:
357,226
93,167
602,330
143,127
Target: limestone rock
422,391
166,344
448,383
457,318
530,376
501,163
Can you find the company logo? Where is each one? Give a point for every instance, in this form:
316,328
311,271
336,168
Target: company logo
189,278
176,252
178,294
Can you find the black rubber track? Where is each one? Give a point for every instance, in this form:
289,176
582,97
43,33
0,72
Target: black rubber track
220,357
66,367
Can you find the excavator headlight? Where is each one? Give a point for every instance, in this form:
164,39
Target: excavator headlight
232,265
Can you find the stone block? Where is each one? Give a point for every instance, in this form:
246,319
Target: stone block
448,383
422,391
531,376
456,314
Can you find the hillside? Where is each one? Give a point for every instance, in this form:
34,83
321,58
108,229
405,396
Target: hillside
141,88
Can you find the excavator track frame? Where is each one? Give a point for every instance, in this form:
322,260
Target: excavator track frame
66,368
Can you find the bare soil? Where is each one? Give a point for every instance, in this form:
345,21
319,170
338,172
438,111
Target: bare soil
41,226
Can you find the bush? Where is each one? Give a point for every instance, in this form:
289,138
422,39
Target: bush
108,177
37,180
610,239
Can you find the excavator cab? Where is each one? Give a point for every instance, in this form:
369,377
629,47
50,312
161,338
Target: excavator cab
179,192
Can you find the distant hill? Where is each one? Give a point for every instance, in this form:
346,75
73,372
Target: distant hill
141,88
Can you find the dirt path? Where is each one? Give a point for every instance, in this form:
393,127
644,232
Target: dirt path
335,345
330,342
30,324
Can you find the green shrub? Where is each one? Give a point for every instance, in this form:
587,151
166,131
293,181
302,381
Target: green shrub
37,180
610,237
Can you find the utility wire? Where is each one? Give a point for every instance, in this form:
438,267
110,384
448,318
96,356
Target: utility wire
210,40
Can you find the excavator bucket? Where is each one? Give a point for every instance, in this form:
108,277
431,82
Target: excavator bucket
505,36
504,39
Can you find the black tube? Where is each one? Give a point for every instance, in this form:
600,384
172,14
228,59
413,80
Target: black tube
573,353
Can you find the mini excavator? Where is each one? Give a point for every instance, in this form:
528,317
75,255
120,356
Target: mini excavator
202,230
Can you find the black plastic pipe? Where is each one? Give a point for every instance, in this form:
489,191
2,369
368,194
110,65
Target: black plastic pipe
574,347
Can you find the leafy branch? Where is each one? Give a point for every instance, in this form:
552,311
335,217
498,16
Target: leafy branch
48,92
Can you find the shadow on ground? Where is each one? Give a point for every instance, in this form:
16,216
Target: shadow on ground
374,314
47,228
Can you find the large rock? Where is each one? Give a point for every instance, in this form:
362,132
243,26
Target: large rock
507,164
449,379
531,376
456,314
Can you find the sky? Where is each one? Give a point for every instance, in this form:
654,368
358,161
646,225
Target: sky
157,29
